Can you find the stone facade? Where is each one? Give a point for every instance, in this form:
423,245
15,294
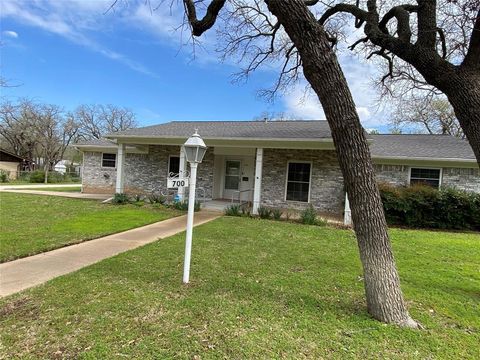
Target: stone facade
144,173
147,173
393,174
461,178
326,191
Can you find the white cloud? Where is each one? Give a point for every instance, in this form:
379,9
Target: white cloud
71,20
10,34
304,106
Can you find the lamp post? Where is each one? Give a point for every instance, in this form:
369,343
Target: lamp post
195,149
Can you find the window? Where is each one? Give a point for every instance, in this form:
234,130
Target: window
298,181
174,165
108,160
430,177
232,175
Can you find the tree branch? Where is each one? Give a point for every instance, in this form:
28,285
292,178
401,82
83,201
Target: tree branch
200,26
359,14
402,14
472,59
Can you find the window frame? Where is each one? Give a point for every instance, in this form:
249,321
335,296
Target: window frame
309,181
239,175
168,165
440,174
108,167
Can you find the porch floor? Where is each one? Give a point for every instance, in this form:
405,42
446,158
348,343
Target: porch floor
216,205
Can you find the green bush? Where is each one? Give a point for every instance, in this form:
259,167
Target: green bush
183,205
424,207
308,216
37,176
4,176
277,214
156,199
246,211
120,199
264,212
54,177
233,210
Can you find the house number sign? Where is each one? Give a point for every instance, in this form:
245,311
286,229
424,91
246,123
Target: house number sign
175,183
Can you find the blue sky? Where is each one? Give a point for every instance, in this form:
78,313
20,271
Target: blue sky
70,53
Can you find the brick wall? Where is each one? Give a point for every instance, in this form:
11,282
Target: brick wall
326,192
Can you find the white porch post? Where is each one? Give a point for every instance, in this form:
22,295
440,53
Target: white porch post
347,219
181,171
258,181
119,186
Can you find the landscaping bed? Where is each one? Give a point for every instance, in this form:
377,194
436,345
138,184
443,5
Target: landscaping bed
259,289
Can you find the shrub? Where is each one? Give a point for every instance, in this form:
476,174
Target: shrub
120,199
4,176
37,176
54,177
277,214
246,212
264,212
156,199
233,210
183,205
308,216
425,207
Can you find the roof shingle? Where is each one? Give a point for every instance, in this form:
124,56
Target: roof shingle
291,129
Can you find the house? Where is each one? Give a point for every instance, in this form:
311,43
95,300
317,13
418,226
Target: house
10,163
272,163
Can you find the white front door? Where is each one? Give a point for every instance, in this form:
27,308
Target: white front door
232,179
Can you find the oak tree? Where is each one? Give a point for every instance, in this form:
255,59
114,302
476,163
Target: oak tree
265,32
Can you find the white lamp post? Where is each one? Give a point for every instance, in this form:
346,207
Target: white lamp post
195,149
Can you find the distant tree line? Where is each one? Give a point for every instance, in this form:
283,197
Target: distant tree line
41,133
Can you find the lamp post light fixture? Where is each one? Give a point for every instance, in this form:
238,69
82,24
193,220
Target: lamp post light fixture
195,149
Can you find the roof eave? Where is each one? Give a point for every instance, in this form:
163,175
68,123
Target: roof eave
433,161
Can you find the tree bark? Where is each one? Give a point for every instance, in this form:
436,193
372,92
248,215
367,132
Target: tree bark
463,92
321,68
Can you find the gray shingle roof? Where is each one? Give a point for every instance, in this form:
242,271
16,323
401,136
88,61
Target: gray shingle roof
96,142
382,146
292,129
420,146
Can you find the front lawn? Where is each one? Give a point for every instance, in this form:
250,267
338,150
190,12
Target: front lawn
260,289
30,224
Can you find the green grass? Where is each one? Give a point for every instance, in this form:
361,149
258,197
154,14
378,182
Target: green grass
259,289
30,224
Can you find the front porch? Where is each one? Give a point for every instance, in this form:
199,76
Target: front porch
227,175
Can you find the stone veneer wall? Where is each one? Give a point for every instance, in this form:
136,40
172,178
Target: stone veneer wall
144,173
393,174
326,192
458,178
463,179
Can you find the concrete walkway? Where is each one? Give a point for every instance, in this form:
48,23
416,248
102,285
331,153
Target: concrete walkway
75,195
21,274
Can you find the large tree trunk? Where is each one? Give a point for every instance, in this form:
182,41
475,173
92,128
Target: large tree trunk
321,69
463,92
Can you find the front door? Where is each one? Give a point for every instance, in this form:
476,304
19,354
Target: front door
232,179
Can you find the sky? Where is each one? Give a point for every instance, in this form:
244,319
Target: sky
72,52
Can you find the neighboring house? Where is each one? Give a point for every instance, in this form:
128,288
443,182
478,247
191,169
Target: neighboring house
276,163
10,163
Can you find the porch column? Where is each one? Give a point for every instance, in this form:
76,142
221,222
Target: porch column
347,218
181,170
258,181
119,186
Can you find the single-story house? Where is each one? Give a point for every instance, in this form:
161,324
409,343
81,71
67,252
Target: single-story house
10,163
273,163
